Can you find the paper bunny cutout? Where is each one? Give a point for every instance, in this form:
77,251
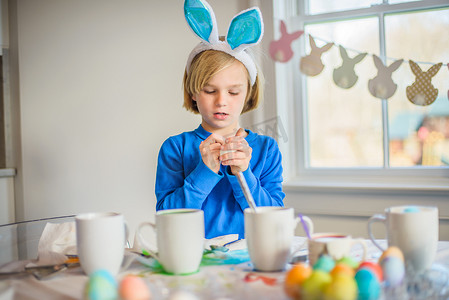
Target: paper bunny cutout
311,64
382,86
245,30
281,50
345,76
422,92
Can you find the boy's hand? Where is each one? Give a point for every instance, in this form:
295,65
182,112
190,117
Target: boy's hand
210,151
240,152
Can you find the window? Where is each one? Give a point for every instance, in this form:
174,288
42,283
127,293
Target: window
358,119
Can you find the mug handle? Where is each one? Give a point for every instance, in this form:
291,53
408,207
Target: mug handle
309,225
142,240
308,222
375,218
365,248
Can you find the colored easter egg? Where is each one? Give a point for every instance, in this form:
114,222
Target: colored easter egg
295,277
342,287
393,270
367,284
324,263
349,261
134,288
374,267
313,287
341,268
101,286
392,251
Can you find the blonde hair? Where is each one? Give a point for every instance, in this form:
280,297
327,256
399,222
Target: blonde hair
203,67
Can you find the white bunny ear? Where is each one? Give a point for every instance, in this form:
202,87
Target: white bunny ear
245,30
201,19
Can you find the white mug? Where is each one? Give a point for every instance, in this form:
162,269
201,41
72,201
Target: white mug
269,235
414,230
101,239
180,239
336,245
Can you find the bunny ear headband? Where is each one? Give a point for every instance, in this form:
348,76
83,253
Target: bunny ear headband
245,30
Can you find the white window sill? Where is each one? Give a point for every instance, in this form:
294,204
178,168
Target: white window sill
7,172
429,184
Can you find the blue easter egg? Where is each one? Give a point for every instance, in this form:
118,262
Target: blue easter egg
101,286
368,284
393,269
324,263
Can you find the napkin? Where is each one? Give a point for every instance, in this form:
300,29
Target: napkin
57,241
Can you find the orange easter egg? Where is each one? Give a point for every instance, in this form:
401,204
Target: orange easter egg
341,268
294,278
134,288
392,251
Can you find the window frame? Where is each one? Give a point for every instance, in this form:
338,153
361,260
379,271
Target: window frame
293,113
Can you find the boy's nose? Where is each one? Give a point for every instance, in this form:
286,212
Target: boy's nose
220,100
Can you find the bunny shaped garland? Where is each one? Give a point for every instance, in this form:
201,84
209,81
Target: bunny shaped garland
245,30
281,50
345,76
311,64
382,86
422,92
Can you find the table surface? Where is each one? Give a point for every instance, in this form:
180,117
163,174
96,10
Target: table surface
18,247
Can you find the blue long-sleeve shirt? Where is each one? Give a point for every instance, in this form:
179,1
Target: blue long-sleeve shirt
184,181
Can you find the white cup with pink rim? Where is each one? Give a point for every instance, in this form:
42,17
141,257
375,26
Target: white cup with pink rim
336,245
414,230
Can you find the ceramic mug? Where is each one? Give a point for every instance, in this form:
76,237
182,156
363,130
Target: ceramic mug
269,235
414,230
336,245
101,239
179,238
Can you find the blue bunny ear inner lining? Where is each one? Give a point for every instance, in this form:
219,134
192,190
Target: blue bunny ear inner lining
199,18
245,28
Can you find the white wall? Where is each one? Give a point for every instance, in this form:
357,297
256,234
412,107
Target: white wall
99,89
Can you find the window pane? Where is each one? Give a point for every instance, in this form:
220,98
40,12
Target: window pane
327,6
419,135
345,125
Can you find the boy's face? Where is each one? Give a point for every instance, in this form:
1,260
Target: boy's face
221,100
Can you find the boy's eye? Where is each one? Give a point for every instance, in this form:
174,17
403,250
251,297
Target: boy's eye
209,91
234,93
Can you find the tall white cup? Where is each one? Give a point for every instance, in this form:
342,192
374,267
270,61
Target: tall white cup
180,239
101,239
269,235
414,230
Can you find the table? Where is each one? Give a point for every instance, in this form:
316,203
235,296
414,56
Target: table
18,246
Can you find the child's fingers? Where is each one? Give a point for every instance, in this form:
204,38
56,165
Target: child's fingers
214,138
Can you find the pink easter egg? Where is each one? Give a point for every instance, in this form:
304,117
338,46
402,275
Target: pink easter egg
134,288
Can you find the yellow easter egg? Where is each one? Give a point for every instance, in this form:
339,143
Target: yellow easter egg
313,287
342,287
